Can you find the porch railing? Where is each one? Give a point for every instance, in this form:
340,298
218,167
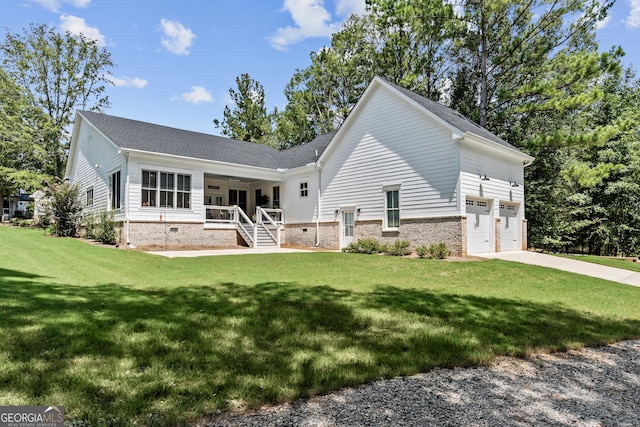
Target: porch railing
220,214
276,214
265,218
246,227
269,220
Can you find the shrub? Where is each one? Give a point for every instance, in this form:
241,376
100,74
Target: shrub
398,248
63,206
365,246
22,222
434,251
106,229
89,226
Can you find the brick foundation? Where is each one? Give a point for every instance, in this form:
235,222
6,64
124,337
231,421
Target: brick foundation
181,234
418,231
305,234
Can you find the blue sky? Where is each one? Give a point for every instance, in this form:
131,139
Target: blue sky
176,60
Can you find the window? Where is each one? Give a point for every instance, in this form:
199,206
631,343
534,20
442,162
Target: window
90,197
167,187
392,208
276,198
184,191
114,190
170,191
149,185
304,189
348,224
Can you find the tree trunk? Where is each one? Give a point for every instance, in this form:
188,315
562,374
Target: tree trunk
482,120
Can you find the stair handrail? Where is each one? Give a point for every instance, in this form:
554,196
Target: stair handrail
261,214
253,236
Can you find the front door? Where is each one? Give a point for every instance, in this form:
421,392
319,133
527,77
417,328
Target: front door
347,228
238,197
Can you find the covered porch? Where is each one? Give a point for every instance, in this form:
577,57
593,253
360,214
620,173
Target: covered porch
250,205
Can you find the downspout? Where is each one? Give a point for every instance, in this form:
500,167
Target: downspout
318,168
127,228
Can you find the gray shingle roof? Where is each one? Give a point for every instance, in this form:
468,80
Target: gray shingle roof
305,153
142,136
147,137
452,117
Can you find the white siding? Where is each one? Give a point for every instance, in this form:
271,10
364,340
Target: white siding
300,209
502,171
138,163
391,142
96,159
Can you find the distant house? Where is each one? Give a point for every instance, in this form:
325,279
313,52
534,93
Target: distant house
15,206
400,167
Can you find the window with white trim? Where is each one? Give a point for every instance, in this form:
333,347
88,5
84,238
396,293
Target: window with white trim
183,191
114,190
304,189
392,208
90,197
172,190
149,188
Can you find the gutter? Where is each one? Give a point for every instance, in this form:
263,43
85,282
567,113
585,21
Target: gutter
318,168
127,222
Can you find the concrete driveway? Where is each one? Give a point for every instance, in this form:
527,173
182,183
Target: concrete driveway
580,267
215,252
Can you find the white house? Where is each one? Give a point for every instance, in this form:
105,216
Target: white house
400,167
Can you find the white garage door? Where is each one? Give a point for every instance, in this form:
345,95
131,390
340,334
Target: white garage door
508,226
478,226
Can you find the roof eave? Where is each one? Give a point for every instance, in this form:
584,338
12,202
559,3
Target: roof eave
278,173
492,145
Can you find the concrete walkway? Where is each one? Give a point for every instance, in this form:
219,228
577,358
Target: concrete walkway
214,252
580,267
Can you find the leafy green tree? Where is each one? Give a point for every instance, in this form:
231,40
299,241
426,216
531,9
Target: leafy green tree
60,72
249,119
608,175
21,140
522,52
411,42
405,42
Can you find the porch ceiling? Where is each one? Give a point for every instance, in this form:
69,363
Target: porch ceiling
236,179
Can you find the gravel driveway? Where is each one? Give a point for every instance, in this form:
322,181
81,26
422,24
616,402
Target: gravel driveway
591,387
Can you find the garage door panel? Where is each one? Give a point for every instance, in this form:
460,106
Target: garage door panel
478,226
508,226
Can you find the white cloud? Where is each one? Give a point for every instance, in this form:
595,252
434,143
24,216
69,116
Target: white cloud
458,8
605,22
633,19
197,95
76,25
346,8
126,81
177,38
54,5
311,20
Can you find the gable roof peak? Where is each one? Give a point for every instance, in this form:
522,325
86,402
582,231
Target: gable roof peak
449,115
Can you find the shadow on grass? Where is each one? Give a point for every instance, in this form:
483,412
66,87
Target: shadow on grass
113,354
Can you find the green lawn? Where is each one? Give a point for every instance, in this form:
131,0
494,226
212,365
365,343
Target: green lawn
119,337
611,262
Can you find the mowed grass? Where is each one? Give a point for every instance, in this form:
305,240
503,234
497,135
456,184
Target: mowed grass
610,262
122,337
